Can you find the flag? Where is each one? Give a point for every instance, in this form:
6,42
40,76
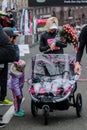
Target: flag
26,28
31,29
4,5
22,21
34,24
12,5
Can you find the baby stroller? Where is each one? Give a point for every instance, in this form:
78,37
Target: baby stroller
53,84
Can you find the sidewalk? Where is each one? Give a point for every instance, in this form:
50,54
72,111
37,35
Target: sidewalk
32,45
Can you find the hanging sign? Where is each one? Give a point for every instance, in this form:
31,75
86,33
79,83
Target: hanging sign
57,2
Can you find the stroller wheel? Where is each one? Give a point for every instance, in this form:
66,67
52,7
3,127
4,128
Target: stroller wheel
46,114
34,109
45,118
78,104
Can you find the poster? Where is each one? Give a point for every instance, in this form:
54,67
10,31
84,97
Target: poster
24,49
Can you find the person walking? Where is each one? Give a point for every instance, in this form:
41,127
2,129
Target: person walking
16,83
82,45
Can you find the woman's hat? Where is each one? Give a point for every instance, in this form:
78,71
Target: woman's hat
17,67
53,26
52,23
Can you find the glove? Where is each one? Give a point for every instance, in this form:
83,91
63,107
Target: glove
60,43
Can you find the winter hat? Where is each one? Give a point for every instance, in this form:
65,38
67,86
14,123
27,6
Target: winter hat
17,67
9,31
53,26
18,33
52,23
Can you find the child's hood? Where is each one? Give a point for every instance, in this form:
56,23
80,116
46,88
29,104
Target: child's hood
14,71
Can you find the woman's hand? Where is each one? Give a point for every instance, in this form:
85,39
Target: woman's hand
53,47
50,43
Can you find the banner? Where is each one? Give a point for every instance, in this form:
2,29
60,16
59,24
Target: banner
57,3
26,28
31,26
24,49
22,21
4,5
34,25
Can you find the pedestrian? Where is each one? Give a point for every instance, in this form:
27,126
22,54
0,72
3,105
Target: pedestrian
14,40
16,83
82,45
47,38
7,54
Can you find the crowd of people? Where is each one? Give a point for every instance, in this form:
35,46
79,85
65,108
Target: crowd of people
9,52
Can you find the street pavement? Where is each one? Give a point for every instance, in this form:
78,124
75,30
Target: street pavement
58,120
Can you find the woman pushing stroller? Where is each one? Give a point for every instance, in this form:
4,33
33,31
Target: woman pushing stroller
51,85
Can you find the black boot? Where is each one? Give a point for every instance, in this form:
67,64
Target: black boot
0,117
2,125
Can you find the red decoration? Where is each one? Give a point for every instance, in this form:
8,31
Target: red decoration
41,21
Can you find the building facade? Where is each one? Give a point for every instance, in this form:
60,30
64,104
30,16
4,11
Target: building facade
77,15
65,15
